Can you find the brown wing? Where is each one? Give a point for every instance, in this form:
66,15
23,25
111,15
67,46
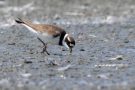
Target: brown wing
51,29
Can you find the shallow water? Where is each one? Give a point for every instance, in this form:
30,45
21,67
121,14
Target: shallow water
103,58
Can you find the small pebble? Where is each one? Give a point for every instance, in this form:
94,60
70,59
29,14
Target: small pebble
126,41
11,43
51,63
27,62
68,61
26,75
82,49
31,52
63,50
56,17
119,58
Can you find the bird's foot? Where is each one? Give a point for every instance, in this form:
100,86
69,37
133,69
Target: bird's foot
44,50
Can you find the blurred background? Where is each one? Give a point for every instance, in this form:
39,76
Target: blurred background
104,56
72,10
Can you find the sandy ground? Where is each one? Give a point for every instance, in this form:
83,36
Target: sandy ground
104,56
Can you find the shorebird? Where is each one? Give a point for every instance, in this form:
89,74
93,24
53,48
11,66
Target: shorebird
49,34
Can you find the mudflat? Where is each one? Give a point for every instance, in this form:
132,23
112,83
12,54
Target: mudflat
103,58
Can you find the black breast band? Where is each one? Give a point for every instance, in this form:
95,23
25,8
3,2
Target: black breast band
61,38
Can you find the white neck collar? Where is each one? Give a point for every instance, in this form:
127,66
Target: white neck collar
65,36
64,43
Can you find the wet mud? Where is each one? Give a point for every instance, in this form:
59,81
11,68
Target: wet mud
103,58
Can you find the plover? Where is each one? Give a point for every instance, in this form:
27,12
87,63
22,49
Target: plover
49,34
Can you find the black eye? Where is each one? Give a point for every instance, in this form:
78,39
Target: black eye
70,42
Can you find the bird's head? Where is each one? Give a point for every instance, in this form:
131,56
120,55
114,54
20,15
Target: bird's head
69,42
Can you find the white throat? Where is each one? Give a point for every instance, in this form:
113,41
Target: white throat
64,43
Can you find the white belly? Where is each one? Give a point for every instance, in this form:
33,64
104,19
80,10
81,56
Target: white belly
48,39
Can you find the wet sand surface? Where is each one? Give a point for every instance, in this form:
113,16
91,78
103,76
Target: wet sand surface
103,58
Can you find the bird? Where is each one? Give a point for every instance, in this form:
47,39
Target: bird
48,34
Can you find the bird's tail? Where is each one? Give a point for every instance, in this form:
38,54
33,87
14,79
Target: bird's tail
20,21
